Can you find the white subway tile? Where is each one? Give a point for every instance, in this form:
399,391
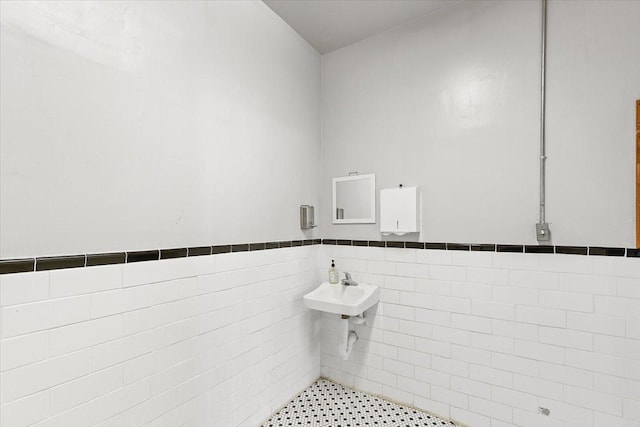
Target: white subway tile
472,259
608,420
593,400
505,328
537,386
450,397
173,290
588,284
26,411
398,368
628,287
23,350
400,255
469,418
596,323
566,338
120,301
471,355
417,300
76,417
516,364
400,283
567,301
470,387
416,329
617,346
117,401
471,291
85,334
456,336
413,270
416,358
492,342
79,281
514,295
541,316
614,266
399,340
564,263
382,377
412,386
566,375
371,253
494,310
452,304
433,347
76,392
381,267
574,415
595,362
434,287
491,409
433,377
470,323
488,276
617,306
438,408
539,351
449,365
121,350
514,398
433,317
20,382
516,261
24,288
491,376
26,318
446,272
432,256
533,279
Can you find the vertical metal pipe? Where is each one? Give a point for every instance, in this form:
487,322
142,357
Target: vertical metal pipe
543,156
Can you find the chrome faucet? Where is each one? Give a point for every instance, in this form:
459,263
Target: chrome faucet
348,281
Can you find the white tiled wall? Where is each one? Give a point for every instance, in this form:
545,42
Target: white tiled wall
219,340
487,338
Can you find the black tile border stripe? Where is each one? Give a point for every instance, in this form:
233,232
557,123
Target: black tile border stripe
173,253
60,262
25,265
106,259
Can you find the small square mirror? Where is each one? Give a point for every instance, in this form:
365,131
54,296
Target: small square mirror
354,199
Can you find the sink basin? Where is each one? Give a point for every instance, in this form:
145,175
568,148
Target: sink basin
340,299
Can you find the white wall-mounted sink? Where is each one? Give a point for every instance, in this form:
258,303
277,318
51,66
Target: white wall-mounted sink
341,299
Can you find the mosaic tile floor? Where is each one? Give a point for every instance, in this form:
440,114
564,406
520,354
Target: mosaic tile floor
327,404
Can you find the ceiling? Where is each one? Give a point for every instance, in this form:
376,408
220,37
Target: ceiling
328,25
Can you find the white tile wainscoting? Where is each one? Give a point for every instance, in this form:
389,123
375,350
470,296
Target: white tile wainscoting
485,338
221,340
482,338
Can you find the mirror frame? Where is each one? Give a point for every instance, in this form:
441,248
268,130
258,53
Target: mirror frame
369,220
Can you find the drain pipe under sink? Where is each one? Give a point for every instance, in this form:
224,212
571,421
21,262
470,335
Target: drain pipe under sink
349,337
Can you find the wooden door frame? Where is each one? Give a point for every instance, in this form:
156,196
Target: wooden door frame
638,173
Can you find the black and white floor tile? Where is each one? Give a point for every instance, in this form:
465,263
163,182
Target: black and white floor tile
327,404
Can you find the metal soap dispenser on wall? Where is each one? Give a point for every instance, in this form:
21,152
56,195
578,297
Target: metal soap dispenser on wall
307,220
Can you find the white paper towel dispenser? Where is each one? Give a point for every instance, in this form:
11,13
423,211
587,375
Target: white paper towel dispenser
400,210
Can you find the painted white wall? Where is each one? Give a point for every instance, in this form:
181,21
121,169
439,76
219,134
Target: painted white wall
221,340
485,338
132,125
450,102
